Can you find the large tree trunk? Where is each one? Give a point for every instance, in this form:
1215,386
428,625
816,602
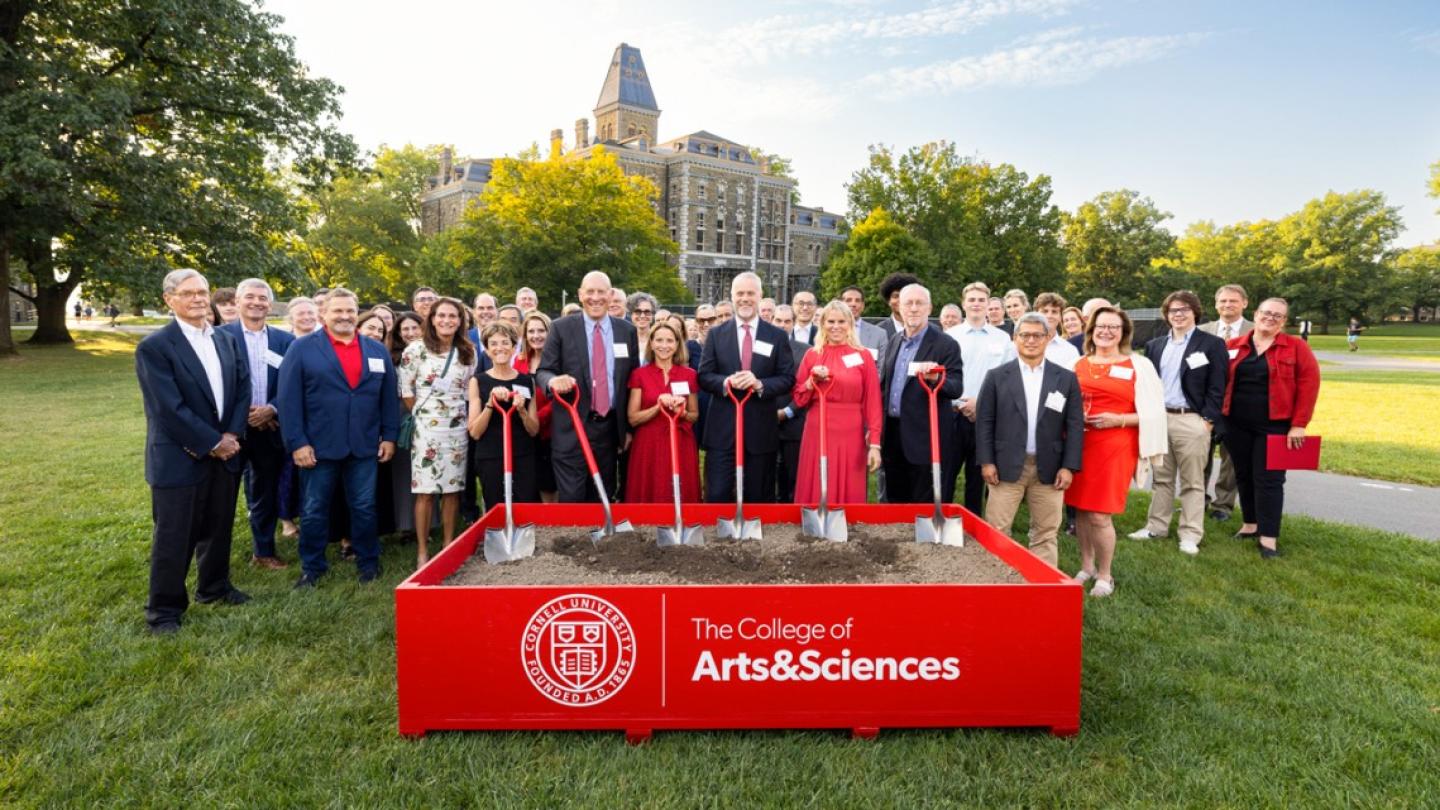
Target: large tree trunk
50,297
7,341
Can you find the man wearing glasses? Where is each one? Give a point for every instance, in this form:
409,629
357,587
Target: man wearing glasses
804,329
704,319
420,301
1193,366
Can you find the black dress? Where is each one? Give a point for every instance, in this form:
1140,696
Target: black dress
1247,428
487,453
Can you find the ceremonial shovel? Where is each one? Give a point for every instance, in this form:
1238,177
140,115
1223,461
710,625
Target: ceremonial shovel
739,528
823,521
679,534
513,542
947,531
611,528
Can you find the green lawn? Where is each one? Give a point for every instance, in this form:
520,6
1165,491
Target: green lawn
1412,341
1378,424
1215,681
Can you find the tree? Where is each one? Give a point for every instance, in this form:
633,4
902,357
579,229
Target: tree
1435,179
366,231
1113,243
1337,251
778,166
877,247
545,223
1246,253
1418,280
983,221
140,135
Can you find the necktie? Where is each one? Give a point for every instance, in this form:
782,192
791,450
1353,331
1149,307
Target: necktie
747,346
1226,328
599,374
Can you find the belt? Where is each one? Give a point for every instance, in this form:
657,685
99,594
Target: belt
1169,409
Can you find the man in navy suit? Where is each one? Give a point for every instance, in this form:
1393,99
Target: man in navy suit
262,452
791,419
1193,366
338,418
918,348
596,352
196,393
744,353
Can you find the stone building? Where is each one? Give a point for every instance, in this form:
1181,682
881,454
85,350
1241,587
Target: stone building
724,208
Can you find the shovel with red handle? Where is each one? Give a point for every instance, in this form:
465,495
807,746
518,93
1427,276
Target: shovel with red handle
739,528
679,534
824,521
611,528
947,531
513,542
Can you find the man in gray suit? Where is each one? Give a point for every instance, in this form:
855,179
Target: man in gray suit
1230,304
1029,428
871,336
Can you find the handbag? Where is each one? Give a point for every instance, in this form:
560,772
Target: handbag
406,434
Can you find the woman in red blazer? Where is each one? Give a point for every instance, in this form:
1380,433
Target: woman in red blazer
1274,382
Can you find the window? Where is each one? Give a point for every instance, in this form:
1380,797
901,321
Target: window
631,131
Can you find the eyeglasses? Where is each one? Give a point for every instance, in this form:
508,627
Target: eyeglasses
1177,310
190,295
1108,328
704,320
1270,316
642,312
1030,335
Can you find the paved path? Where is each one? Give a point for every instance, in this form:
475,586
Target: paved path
1406,508
1359,361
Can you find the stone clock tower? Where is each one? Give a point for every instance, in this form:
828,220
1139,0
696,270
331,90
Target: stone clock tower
626,108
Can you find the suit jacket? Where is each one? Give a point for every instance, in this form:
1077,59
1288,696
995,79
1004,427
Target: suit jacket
277,341
872,337
319,409
720,359
1001,423
1213,327
1203,387
567,352
1078,342
935,347
792,429
181,426
888,327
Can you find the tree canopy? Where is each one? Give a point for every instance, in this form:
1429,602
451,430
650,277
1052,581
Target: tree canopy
1113,243
877,247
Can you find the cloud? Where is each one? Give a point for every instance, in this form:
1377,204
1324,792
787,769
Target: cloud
1427,40
1048,61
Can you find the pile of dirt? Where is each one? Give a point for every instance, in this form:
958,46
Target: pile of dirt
564,555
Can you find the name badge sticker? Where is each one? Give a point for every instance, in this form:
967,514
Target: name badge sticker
874,354
520,391
273,359
377,365
1122,372
763,347
622,351
1197,360
680,389
1055,402
1234,353
853,360
914,369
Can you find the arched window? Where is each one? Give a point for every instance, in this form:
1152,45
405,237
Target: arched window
631,132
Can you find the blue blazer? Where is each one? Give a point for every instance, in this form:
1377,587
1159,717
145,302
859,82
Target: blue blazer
721,358
277,340
319,409
181,427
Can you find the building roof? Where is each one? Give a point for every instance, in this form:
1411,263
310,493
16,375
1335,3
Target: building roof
627,82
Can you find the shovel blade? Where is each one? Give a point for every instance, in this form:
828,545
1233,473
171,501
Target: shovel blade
745,529
502,546
830,525
679,536
623,527
944,531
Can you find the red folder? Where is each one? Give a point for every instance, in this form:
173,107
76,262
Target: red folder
1279,456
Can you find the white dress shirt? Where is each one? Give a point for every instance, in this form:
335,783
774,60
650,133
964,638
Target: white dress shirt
1031,378
257,345
203,342
1062,353
981,349
1172,366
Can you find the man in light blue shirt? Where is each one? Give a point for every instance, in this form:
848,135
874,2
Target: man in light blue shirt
982,347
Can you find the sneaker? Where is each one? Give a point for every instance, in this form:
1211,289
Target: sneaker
1102,588
1189,547
1142,534
1082,577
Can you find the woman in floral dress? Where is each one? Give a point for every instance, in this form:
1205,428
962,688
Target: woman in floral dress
435,372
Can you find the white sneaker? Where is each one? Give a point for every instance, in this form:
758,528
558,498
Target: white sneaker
1189,547
1082,577
1142,534
1102,587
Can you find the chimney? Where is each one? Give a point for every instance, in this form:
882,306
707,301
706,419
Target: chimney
445,168
557,143
582,133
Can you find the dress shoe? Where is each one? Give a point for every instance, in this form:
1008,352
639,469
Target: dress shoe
368,576
306,581
165,628
1246,535
272,563
234,596
1269,553
1142,534
1220,515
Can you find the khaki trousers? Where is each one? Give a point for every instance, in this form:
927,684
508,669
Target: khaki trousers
1181,470
1047,506
1226,489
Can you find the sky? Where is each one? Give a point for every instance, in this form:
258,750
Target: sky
1216,110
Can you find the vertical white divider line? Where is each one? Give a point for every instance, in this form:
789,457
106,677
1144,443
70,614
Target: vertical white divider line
663,632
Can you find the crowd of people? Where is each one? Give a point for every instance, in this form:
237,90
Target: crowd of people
362,424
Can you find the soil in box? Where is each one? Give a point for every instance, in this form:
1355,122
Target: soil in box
875,553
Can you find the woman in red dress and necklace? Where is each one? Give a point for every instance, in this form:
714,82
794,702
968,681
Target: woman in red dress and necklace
1124,404
665,381
852,408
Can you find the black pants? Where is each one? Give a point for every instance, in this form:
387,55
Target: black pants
470,496
1262,491
264,460
904,482
190,521
572,476
492,480
720,476
964,460
789,457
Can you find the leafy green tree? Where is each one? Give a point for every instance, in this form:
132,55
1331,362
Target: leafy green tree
779,167
1435,179
139,135
987,222
1418,280
545,223
877,247
1246,253
1337,250
1113,243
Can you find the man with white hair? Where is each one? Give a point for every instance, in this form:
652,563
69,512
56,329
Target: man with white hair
767,310
1086,310
527,300
262,452
196,391
917,349
744,354
619,308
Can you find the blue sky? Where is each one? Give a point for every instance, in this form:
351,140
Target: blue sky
1225,111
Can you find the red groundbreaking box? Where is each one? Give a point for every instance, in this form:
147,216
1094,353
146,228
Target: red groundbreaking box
642,657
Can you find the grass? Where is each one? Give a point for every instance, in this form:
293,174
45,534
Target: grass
1377,424
1410,341
1215,681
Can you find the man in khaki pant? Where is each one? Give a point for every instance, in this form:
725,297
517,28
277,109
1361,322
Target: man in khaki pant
1193,366
1029,426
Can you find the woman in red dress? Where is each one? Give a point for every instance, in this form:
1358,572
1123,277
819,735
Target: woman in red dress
665,381
852,408
1115,388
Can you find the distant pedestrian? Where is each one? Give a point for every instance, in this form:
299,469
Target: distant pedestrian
1352,334
1305,331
